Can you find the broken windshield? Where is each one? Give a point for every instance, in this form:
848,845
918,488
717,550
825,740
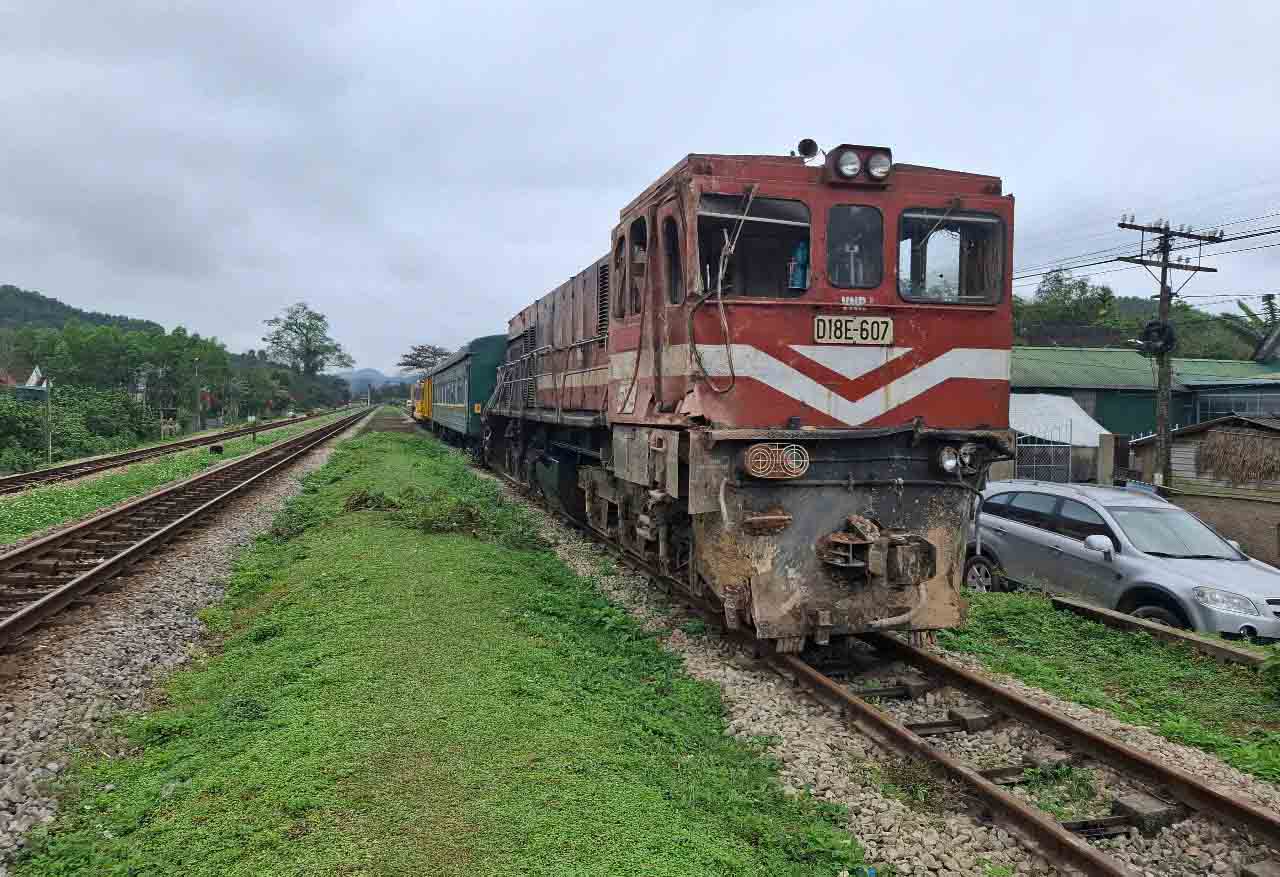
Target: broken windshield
944,256
771,259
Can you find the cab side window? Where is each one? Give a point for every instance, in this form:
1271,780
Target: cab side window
618,279
1035,509
675,270
1077,521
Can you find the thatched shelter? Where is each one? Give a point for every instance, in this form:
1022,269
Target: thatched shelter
1227,472
1226,455
1239,456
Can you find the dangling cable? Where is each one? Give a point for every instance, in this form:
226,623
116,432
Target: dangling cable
726,253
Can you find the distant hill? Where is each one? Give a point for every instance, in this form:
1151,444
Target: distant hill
23,307
359,379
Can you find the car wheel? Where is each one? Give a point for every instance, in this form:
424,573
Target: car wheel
1162,615
981,575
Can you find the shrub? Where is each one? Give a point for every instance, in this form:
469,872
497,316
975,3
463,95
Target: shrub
1270,672
471,506
86,422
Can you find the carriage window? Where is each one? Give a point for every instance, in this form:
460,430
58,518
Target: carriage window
772,256
855,246
675,270
945,256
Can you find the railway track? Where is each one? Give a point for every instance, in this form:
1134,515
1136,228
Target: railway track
1164,793
1158,793
77,468
43,577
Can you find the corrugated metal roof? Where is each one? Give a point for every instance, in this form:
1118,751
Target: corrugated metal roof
1053,418
1115,368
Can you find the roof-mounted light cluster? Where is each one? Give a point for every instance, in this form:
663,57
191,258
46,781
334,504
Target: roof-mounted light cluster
859,165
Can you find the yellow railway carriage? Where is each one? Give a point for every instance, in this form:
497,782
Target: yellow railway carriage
421,395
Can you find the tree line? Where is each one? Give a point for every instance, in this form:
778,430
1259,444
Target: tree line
114,384
1068,311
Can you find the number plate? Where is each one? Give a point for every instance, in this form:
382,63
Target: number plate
852,330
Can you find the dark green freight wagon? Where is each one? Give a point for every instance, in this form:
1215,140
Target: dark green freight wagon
462,384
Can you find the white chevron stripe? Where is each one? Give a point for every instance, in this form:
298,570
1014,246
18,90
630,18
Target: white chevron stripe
850,361
962,362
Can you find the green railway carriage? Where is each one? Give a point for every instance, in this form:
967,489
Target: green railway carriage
462,384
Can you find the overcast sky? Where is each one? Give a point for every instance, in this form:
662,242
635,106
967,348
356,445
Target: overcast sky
418,171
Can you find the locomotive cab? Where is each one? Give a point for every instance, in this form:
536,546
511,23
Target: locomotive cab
781,388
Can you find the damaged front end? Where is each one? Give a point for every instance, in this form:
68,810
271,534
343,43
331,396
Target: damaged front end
869,535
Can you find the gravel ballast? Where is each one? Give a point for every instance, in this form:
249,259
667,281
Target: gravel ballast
60,682
65,680
815,750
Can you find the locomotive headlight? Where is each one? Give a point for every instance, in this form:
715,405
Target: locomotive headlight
848,163
949,460
879,165
775,460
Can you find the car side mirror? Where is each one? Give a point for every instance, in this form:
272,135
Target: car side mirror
1099,543
1236,545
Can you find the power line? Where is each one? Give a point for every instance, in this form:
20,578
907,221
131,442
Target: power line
1239,237
1168,207
1228,295
1125,246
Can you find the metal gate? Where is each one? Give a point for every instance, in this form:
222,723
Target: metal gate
1045,459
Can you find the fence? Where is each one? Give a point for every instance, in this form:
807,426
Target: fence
1045,459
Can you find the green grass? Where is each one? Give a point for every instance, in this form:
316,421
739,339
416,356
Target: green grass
1064,790
915,783
1227,709
694,627
394,699
31,511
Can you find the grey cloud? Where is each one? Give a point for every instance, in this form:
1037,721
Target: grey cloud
420,171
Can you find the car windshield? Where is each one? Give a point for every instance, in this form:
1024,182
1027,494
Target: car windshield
1171,533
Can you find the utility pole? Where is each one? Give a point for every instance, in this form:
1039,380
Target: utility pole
1157,337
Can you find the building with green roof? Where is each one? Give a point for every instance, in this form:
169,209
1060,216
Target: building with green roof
1116,386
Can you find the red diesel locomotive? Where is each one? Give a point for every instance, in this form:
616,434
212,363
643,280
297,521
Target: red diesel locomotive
782,387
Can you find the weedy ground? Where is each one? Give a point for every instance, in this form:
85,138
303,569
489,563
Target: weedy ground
1065,791
1227,709
409,683
916,784
29,512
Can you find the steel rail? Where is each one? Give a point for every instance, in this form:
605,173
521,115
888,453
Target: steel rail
1036,829
89,465
1182,786
1040,831
144,532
